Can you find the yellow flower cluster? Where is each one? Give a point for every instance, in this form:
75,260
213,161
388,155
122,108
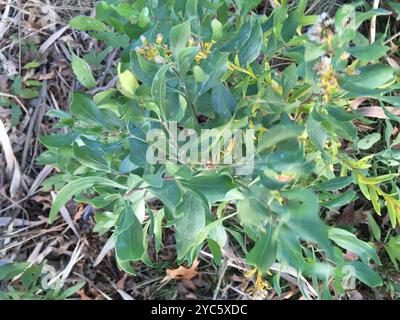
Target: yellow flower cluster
205,48
260,286
327,77
151,52
323,30
148,50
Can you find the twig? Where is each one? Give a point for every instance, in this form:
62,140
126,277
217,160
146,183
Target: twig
4,18
16,99
45,45
12,201
373,23
19,201
221,276
109,85
188,100
392,38
110,61
34,119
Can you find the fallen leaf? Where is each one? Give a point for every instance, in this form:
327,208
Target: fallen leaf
350,256
121,283
393,63
357,102
83,295
80,211
182,273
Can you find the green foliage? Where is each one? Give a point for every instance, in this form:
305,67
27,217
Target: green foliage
204,66
33,283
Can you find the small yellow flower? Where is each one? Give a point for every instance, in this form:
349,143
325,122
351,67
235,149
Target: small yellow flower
159,39
259,284
251,124
327,77
144,40
344,56
148,51
205,49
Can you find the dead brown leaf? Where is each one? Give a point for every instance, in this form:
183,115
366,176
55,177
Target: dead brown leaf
182,273
357,102
83,295
121,283
79,213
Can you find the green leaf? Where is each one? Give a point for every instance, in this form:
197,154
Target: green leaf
144,18
31,65
393,250
199,74
396,7
239,39
339,114
129,242
370,76
289,79
85,23
249,5
216,30
192,220
214,187
376,231
316,133
59,140
137,151
313,51
303,218
72,290
368,141
350,242
335,184
179,36
290,25
10,270
392,213
374,199
158,228
340,200
159,88
366,275
75,187
92,158
82,71
142,69
361,17
271,183
170,194
371,52
192,14
224,102
127,82
215,251
85,109
263,254
251,48
252,214
28,93
278,134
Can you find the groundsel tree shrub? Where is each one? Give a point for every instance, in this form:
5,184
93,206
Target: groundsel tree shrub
229,125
